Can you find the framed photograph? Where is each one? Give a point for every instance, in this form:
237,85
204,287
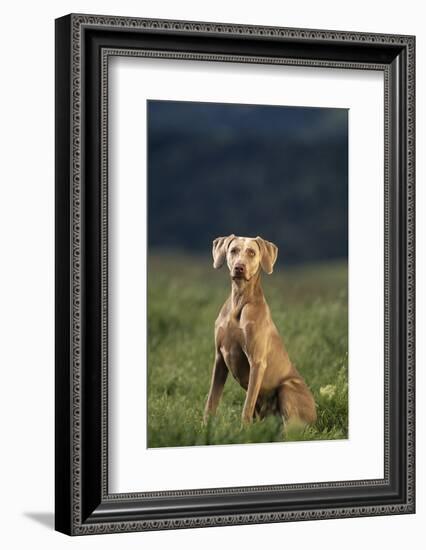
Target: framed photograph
234,274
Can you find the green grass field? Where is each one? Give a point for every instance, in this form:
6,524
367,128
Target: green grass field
309,307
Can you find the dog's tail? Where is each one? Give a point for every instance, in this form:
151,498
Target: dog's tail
296,401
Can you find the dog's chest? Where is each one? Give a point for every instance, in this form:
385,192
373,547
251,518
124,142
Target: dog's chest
232,352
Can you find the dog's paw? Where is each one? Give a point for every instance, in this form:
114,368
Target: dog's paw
207,418
246,419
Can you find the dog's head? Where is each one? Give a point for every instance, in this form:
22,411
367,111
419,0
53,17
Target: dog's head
244,255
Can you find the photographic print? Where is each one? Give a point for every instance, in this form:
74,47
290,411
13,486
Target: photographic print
247,273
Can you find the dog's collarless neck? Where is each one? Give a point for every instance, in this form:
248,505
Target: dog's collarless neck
244,292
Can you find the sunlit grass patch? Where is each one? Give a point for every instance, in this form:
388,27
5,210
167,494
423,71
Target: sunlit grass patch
309,307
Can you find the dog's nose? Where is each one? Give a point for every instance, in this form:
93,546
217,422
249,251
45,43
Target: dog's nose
239,268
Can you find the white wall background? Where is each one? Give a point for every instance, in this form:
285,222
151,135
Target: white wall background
26,289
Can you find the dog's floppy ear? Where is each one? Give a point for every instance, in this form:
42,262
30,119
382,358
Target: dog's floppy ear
220,246
268,254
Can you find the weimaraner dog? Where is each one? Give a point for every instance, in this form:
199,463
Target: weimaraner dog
247,342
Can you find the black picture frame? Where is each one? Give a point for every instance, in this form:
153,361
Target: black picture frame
83,46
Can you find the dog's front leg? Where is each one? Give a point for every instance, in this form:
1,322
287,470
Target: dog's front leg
219,375
257,370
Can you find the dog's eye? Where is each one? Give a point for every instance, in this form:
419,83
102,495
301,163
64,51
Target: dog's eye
251,252
234,250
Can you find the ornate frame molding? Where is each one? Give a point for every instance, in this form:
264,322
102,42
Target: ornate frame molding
73,52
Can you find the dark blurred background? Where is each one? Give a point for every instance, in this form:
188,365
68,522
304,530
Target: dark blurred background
277,172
